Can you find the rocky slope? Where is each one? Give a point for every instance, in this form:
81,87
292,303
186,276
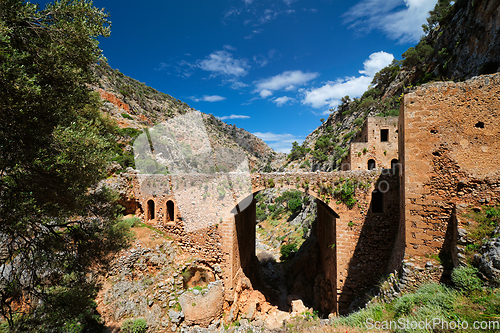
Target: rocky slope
135,106
468,44
461,41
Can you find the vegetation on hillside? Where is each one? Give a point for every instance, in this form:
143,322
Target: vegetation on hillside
56,224
383,97
155,105
274,215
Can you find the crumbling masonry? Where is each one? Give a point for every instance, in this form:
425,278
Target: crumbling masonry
446,155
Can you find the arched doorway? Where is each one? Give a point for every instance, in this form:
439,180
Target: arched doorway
371,164
170,211
151,210
394,166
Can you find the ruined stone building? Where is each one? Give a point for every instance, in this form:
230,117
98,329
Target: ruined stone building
447,143
375,147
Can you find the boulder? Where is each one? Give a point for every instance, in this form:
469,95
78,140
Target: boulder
205,307
489,261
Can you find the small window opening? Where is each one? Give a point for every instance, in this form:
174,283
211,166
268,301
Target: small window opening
151,210
371,164
434,131
377,202
480,124
384,135
170,211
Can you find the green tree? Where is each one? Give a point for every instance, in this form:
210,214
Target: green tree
438,15
415,56
56,223
387,74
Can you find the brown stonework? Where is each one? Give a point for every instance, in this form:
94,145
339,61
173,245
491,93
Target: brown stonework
447,143
450,144
377,141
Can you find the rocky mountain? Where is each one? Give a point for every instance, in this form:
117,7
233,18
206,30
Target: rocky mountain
135,106
461,41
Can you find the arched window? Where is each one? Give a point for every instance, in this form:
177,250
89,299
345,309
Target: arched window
151,210
170,211
377,201
395,166
371,164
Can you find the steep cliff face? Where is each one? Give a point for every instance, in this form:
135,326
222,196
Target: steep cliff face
471,39
136,106
464,43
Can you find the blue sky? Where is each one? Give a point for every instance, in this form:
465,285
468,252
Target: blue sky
272,67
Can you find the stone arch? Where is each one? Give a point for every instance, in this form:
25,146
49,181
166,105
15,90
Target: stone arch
170,211
150,212
239,241
395,166
371,164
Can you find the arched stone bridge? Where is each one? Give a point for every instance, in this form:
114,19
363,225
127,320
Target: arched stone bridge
357,226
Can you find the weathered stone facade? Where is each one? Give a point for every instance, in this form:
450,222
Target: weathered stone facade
449,149
376,146
355,242
447,143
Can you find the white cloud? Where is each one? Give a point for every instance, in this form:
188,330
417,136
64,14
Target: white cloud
161,66
260,60
229,47
265,93
235,84
234,116
223,63
279,142
233,11
253,33
331,92
375,62
248,2
288,80
280,101
206,98
402,24
268,15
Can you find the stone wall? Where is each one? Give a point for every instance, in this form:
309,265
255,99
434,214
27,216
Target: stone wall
450,139
327,240
355,242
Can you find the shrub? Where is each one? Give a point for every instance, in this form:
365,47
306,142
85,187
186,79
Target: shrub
292,198
288,251
138,325
358,121
319,155
305,165
260,214
345,191
127,116
429,295
465,278
297,151
131,222
294,204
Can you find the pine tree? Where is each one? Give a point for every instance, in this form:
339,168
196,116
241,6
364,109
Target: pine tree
55,222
